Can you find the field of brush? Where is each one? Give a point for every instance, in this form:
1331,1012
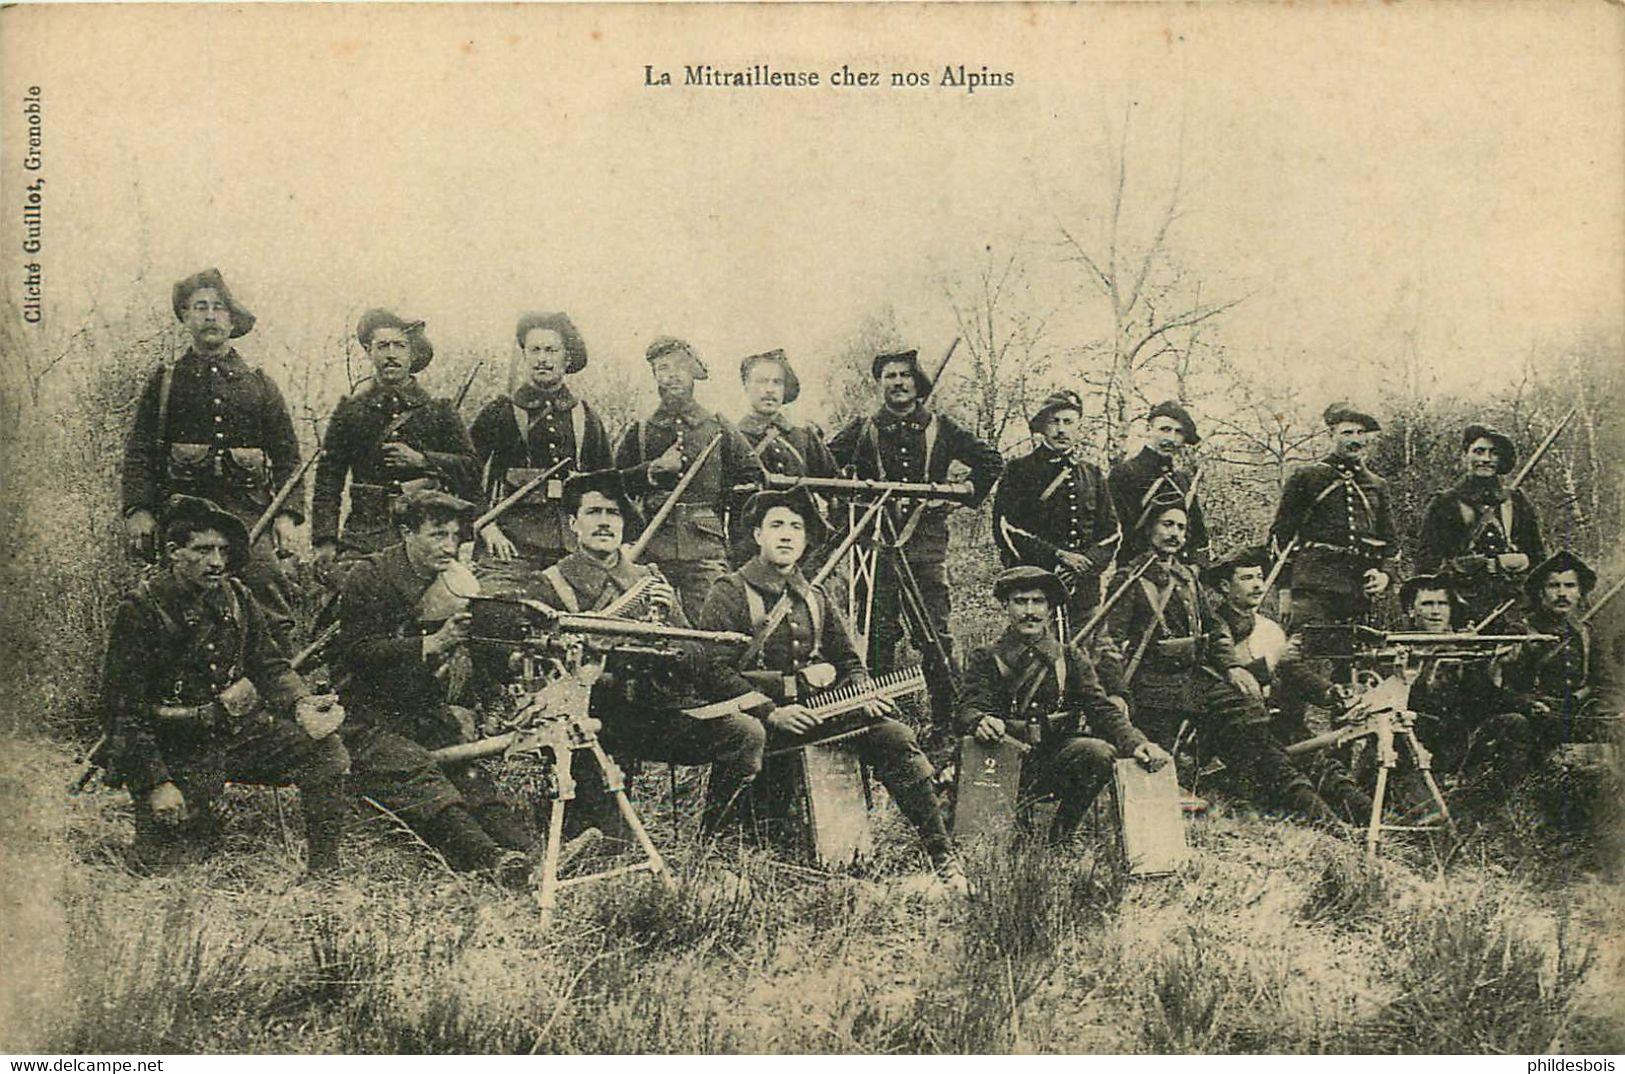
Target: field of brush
1273,938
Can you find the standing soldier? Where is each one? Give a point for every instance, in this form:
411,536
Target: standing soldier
1336,521
1046,693
389,437
1151,476
771,385
1053,510
691,548
211,426
903,441
197,694
1479,534
809,650
520,435
1183,671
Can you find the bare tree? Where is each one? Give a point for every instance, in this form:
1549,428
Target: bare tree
1002,343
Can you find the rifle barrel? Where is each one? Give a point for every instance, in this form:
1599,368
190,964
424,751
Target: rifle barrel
501,507
1544,446
636,550
281,497
857,484
1597,605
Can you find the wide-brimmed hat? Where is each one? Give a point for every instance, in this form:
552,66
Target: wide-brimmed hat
792,383
669,344
1556,564
1170,409
1056,400
1020,579
1410,587
1340,412
797,499
611,484
1223,570
1161,504
575,348
242,321
922,382
197,513
1506,452
374,319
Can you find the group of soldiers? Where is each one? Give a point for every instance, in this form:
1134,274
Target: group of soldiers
1125,638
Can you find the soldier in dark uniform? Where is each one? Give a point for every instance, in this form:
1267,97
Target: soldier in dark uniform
809,650
1183,670
691,548
1561,692
212,426
197,694
388,437
1481,535
903,441
1053,510
1043,692
638,703
1152,476
390,664
519,435
1288,683
1340,514
784,447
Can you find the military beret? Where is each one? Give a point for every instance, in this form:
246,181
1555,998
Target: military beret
922,382
1416,583
1024,578
608,483
575,348
1506,453
374,319
671,344
192,513
410,509
797,499
1557,563
242,322
1170,409
1057,400
792,383
1341,412
1225,569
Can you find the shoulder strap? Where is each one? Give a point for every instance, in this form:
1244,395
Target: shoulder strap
567,593
871,433
757,606
144,593
930,444
166,382
578,426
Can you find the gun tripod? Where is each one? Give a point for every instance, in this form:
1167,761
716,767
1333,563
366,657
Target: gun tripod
863,579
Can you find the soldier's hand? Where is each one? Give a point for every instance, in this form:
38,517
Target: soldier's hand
662,595
404,456
879,708
989,730
452,633
669,462
497,543
1151,756
166,803
318,715
1120,703
1512,562
1076,561
1376,582
1244,681
794,719
140,528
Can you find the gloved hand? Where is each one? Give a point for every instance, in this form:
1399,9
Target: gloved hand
318,715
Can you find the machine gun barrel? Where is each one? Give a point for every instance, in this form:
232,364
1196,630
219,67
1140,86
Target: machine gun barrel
1420,638
927,489
610,626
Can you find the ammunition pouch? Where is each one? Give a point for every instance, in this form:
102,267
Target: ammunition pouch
516,477
230,709
787,689
190,465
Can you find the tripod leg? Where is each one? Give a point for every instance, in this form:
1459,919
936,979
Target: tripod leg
1424,764
616,782
1373,832
547,896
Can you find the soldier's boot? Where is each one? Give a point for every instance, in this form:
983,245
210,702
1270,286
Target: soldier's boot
726,796
917,801
460,840
324,799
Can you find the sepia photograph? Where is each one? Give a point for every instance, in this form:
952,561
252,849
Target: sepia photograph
813,529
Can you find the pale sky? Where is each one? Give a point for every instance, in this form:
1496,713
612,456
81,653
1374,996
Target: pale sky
1356,169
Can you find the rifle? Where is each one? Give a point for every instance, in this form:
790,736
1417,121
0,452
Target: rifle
1597,605
468,382
1106,605
910,489
944,363
501,506
1500,610
1535,456
281,497
1280,562
637,549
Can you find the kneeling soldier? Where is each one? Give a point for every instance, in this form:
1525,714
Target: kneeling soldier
807,650
391,658
198,694
640,707
1037,690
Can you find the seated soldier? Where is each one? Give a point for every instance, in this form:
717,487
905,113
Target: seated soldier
1562,691
1183,671
807,650
197,694
1033,688
640,703
390,665
1289,683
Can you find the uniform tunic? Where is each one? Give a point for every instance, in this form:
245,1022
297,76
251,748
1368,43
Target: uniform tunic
783,448
1048,501
1135,483
1342,515
361,424
1446,543
509,458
